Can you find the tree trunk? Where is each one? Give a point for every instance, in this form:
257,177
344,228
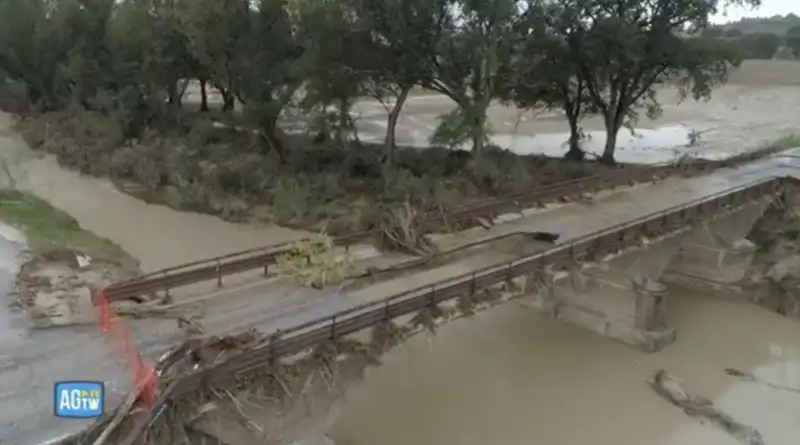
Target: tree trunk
343,128
479,132
173,94
228,100
203,96
391,126
612,129
271,140
575,153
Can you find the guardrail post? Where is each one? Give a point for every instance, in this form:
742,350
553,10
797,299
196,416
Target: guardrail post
386,311
219,276
333,328
274,338
472,287
166,288
266,270
433,296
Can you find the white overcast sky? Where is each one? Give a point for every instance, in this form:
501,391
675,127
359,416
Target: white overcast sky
768,8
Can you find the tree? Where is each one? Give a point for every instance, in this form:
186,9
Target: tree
547,75
215,30
403,36
332,71
33,51
733,33
762,45
713,33
270,74
474,56
625,49
793,40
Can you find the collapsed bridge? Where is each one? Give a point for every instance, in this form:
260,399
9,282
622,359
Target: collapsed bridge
605,275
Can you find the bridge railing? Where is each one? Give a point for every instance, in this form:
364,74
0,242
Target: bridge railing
219,267
262,257
315,332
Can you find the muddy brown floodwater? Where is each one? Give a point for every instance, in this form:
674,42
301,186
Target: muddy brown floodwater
513,377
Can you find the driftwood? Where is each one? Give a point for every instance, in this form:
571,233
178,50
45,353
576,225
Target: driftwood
672,390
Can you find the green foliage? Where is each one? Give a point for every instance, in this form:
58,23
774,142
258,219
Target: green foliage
453,130
733,33
758,45
793,39
107,80
777,24
473,62
47,229
623,49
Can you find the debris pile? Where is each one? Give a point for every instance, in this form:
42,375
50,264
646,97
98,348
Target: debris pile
405,229
54,286
270,400
315,263
671,389
775,274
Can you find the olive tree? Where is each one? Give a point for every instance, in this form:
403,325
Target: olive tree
626,49
401,38
474,56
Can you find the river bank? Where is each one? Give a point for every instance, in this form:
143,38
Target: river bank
157,236
60,262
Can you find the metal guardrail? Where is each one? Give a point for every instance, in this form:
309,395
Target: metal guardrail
262,257
309,334
593,246
253,259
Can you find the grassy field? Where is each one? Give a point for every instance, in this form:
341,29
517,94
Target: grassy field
47,228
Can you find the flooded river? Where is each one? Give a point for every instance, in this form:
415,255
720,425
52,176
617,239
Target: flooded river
513,377
506,377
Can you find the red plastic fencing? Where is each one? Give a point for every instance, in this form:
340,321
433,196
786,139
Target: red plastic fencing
111,324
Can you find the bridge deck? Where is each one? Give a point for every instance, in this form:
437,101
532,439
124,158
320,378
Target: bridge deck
31,363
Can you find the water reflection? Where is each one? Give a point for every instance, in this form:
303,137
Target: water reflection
511,376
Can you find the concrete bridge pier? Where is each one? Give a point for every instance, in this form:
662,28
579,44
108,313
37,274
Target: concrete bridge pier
621,298
717,254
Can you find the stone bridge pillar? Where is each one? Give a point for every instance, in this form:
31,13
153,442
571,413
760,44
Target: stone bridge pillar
621,298
717,252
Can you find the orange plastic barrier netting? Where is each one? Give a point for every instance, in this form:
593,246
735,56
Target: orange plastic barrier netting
110,324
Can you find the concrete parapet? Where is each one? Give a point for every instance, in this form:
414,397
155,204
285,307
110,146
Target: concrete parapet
718,250
621,298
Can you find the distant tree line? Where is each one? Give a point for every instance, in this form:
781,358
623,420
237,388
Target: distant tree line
761,44
131,59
